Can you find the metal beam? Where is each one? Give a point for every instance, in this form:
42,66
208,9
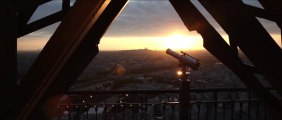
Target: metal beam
68,52
41,23
274,9
233,44
8,59
66,5
56,53
216,45
26,9
252,38
262,13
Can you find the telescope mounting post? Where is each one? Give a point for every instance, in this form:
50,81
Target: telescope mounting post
187,62
184,93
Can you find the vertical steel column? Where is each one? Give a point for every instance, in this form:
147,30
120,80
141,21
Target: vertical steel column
184,95
8,58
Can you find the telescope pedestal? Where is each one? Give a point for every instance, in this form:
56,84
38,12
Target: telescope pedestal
184,94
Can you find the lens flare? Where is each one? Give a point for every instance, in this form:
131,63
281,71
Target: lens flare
179,73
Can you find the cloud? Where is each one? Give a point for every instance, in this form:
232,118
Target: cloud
46,9
270,26
143,18
139,18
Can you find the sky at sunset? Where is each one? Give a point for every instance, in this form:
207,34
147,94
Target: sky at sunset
142,24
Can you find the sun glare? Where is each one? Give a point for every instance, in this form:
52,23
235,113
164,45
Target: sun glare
179,41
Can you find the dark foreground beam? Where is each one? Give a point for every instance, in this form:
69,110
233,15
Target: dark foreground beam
26,28
26,9
8,58
41,23
252,38
216,45
68,52
273,7
258,12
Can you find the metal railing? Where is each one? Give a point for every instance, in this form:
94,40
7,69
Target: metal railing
205,104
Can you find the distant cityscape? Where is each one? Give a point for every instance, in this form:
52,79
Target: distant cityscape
142,69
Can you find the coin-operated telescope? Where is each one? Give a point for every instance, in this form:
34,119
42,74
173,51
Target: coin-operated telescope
185,59
186,62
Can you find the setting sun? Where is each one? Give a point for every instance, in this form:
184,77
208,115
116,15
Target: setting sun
179,41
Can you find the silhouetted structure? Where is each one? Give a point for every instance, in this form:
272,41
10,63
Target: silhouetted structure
74,45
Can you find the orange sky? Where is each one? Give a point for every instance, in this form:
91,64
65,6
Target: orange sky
176,41
173,41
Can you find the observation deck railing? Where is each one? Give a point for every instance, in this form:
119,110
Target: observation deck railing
205,104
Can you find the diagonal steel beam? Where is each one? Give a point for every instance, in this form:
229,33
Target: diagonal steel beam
26,8
216,45
70,49
262,13
252,38
41,23
274,9
46,21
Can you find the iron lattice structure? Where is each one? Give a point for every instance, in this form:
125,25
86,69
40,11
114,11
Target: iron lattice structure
73,46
